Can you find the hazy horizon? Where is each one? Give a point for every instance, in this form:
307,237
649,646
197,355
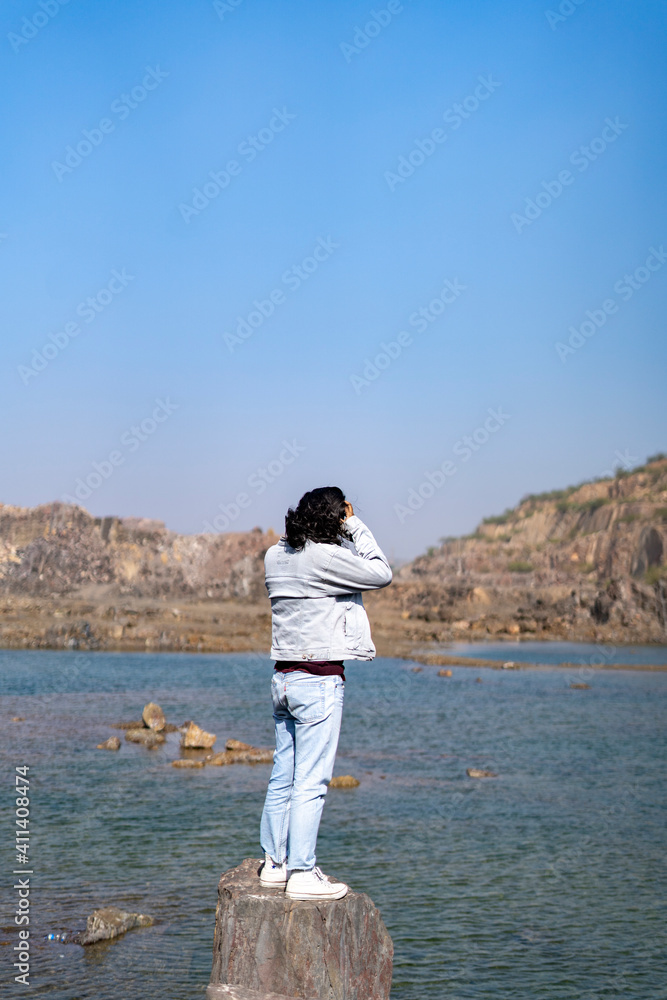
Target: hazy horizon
620,464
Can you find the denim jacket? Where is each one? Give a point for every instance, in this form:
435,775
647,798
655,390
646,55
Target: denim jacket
316,606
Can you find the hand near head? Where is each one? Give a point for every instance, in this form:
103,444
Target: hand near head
349,512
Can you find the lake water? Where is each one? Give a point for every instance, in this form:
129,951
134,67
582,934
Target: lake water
546,882
576,653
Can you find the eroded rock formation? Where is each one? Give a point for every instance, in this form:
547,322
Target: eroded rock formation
585,563
264,941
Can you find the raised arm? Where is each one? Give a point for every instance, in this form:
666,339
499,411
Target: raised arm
365,569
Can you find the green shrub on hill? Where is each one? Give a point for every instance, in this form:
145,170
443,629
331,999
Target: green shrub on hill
654,574
549,495
519,566
498,518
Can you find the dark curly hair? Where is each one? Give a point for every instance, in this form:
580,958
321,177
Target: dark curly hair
318,517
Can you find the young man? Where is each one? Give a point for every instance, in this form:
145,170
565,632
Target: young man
314,576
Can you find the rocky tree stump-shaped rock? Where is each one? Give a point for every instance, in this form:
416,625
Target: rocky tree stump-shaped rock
267,944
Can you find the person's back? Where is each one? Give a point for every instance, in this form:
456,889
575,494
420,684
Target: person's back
314,577
332,623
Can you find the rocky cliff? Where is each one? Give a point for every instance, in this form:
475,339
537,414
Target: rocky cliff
70,580
587,562
58,549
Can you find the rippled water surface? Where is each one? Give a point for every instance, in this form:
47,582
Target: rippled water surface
545,882
575,654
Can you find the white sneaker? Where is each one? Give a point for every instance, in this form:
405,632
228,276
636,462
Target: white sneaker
314,884
273,874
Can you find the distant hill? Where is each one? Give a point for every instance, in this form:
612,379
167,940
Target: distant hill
582,562
586,563
57,549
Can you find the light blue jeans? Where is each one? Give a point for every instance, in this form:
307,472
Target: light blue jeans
307,711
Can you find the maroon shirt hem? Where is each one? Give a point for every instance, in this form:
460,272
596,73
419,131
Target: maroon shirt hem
320,668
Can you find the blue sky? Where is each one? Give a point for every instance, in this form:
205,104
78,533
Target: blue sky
531,144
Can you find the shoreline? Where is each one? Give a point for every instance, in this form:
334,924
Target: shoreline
438,660
424,658
94,621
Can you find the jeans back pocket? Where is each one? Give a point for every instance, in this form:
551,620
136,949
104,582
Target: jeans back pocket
310,699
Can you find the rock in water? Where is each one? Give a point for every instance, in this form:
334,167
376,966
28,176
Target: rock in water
478,772
238,745
110,923
264,941
344,781
196,738
153,717
145,736
113,743
252,756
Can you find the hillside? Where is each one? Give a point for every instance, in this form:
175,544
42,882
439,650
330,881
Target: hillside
585,563
70,580
57,549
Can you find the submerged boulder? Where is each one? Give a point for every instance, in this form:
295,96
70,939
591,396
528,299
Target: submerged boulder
110,922
238,745
145,736
113,743
344,781
254,755
196,738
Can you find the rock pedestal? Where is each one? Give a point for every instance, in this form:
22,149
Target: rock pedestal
270,947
